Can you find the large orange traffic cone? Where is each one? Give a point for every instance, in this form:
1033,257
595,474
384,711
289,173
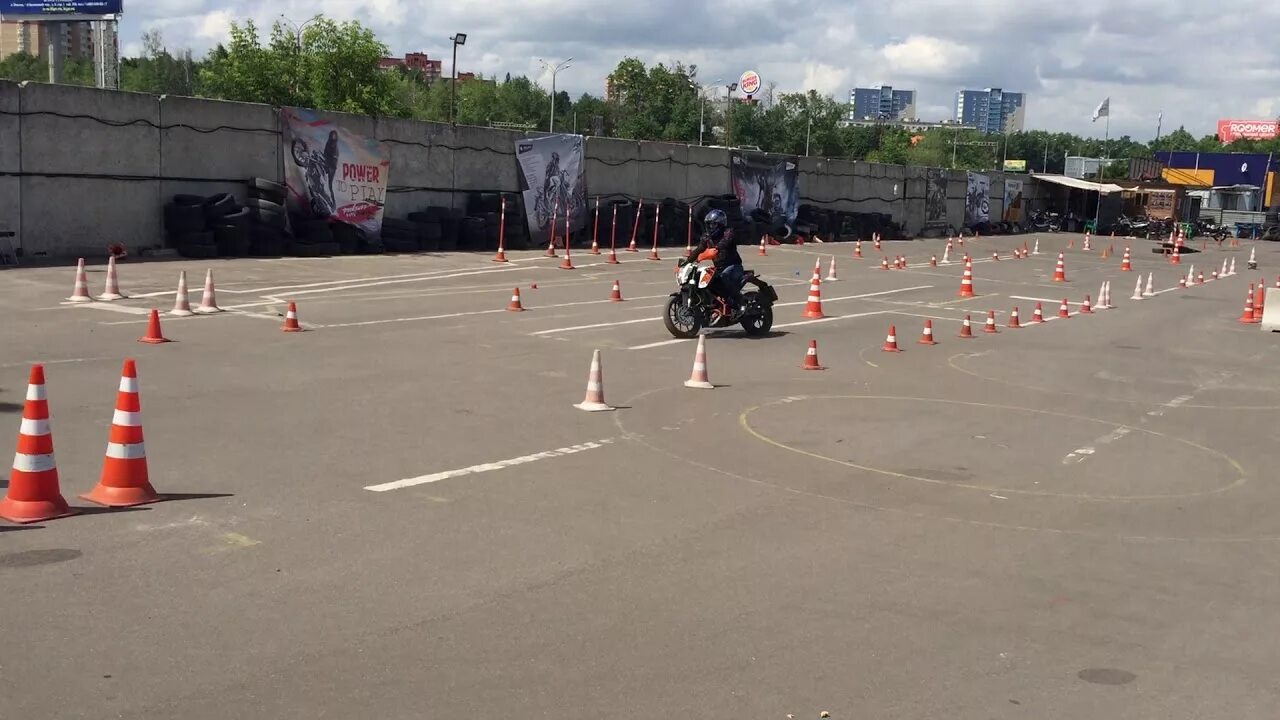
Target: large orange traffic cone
1037,316
112,289
181,303
926,336
1248,316
124,479
80,292
1126,262
811,357
209,300
34,494
966,328
990,325
813,308
615,295
1060,272
891,341
154,336
594,400
698,378
514,305
1014,320
291,319
966,280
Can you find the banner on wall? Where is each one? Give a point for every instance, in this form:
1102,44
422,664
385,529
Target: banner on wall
766,183
332,173
1012,200
977,201
935,197
553,179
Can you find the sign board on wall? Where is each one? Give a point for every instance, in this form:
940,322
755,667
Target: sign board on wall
332,173
749,83
1232,130
59,9
1015,165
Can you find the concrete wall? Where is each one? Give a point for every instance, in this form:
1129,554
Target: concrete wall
81,168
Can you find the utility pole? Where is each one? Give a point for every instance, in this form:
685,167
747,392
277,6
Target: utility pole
457,39
297,46
728,115
555,70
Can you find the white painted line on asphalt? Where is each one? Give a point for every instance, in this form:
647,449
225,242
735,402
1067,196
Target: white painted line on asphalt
423,275
1042,300
1081,453
26,363
594,326
487,467
829,318
857,297
126,309
384,321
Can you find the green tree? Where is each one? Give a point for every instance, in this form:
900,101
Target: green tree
589,108
657,103
22,66
158,71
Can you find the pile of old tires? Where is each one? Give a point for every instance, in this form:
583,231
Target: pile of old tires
671,217
207,227
270,229
482,224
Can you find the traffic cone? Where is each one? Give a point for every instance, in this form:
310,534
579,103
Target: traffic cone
1137,290
1200,278
567,263
1086,247
181,303
891,341
831,270
817,269
291,319
698,379
1182,281
124,480
1247,315
1064,311
1223,272
1086,307
763,245
926,335
613,257
966,280
1149,292
1106,289
1176,257
811,357
1037,315
594,399
34,494
1258,301
990,325
209,299
995,256
1126,262
1103,301
80,292
1232,271
1036,251
154,336
813,308
857,249
615,295
1253,258
514,305
112,289
595,246
551,245
966,328
501,256
1014,321
1060,272
1071,244
946,254
1191,274
876,239
884,263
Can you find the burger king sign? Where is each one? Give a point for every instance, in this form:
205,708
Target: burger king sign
749,83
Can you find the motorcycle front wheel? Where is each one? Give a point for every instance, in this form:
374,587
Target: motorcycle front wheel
681,321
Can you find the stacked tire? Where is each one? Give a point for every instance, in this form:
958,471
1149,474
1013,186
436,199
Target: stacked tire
402,236
269,222
430,221
187,228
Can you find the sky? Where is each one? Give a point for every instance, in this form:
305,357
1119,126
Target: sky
1191,60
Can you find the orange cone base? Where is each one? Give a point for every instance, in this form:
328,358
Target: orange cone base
613,259
500,257
154,340
31,511
121,497
283,329
567,264
653,255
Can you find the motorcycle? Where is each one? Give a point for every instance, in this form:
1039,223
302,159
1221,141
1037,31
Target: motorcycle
1043,221
694,306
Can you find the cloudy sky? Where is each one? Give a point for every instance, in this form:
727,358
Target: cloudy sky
1195,61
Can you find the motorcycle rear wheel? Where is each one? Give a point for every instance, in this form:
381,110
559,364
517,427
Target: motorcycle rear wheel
758,324
681,321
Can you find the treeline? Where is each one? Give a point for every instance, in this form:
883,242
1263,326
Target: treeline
336,66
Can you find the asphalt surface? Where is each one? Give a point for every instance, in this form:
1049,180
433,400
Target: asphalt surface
1070,520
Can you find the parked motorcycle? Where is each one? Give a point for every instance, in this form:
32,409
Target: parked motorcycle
1043,221
696,306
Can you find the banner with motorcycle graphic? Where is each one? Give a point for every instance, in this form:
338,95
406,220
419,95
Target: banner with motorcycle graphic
1012,200
935,197
332,173
768,183
553,179
977,200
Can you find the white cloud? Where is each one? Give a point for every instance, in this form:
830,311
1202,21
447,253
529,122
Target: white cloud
1191,59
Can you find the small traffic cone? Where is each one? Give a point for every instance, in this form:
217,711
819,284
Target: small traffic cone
514,305
1247,316
817,269
181,303
613,257
551,246
1182,281
966,328
959,241
1014,321
1191,274
567,263
594,399
995,256
1060,272
1086,307
125,481
291,319
34,494
1036,251
615,295
1258,301
209,299
990,325
1176,257
154,336
112,289
946,253
902,262
813,308
80,292
857,250
1126,262
1253,258
1232,270
763,245
933,261
876,240
1137,290
595,246
1037,315
698,379
1149,292
1086,247
966,280
884,263
831,270
1064,311
1223,272
811,357
501,256
1213,275
1200,277
653,253
1071,244
891,341
926,335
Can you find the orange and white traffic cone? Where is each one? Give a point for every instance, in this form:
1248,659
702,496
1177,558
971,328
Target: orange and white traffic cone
966,280
831,270
926,335
514,305
857,250
1200,277
209,299
1037,315
1176,257
1086,247
876,240
902,262
1182,281
813,308
698,379
1060,272
34,494
551,244
811,357
613,257
594,399
995,257
1064,311
112,289
1036,250
933,261
615,295
1014,321
966,328
80,292
1259,300
154,336
891,341
1126,262
1247,316
181,303
763,245
1086,308
291,319
990,325
1149,292
884,263
817,269
125,481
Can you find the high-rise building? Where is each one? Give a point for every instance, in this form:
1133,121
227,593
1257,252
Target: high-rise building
991,110
33,38
882,103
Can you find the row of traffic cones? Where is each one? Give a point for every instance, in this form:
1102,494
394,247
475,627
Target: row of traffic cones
155,335
35,494
615,295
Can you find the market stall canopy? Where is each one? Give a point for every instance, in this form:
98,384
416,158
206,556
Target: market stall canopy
1104,188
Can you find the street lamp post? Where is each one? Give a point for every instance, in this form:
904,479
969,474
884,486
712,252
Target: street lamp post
458,39
297,43
807,133
702,106
555,70
728,115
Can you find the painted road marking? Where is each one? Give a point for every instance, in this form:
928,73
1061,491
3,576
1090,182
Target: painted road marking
487,467
857,297
829,318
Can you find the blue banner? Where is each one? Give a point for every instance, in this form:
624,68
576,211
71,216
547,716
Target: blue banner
61,7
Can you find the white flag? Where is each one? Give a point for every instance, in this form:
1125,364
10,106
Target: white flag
1103,109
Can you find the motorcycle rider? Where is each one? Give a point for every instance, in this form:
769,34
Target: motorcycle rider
719,245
